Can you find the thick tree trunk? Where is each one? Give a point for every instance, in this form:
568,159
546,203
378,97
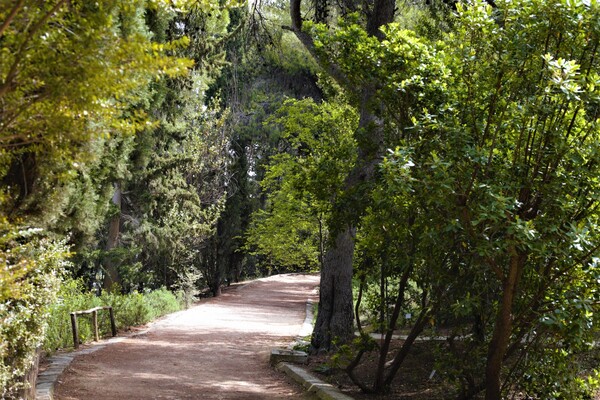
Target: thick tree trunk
502,329
111,275
336,311
216,286
335,317
336,302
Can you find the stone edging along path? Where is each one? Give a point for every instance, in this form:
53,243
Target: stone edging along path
322,390
44,388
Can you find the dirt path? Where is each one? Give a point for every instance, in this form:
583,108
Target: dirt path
216,350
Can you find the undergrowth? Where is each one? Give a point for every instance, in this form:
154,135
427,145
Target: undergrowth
129,310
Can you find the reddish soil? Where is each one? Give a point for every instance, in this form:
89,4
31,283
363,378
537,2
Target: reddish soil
218,349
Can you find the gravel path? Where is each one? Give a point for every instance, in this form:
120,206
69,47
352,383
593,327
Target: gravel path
218,349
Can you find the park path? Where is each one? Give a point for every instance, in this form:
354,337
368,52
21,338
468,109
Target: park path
218,349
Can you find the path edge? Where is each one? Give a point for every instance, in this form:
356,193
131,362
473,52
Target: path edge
324,391
300,375
46,380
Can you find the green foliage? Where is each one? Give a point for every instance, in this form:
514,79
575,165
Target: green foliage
30,271
76,79
178,193
265,67
51,116
322,148
304,182
129,310
286,234
490,199
499,161
70,298
178,181
162,302
549,376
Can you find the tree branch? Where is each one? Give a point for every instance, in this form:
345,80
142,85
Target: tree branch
8,83
11,16
332,69
382,14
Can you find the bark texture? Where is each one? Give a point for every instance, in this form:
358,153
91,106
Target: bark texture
502,329
111,275
335,317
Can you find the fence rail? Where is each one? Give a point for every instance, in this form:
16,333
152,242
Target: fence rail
94,313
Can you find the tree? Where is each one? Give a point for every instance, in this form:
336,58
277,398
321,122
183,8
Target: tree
265,67
48,115
496,129
335,316
174,188
395,240
500,158
525,193
303,182
71,77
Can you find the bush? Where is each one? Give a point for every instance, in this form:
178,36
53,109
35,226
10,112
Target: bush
129,310
162,302
71,297
30,266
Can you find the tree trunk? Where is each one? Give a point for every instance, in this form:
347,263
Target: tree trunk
111,275
502,329
335,317
321,11
216,286
385,346
215,277
336,303
223,257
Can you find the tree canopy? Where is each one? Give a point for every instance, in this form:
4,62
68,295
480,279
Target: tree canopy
436,161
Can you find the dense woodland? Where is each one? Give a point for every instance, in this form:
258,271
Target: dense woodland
437,162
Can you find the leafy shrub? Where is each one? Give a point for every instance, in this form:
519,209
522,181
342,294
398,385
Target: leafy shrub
30,266
162,302
129,310
548,375
71,297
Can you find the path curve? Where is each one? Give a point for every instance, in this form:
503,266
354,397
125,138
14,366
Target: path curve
218,349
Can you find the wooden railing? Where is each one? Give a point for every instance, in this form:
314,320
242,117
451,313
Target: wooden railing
94,313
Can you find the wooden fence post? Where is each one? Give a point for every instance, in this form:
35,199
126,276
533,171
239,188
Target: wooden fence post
75,330
113,326
95,325
94,312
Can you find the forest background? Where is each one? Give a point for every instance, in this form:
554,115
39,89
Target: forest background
436,161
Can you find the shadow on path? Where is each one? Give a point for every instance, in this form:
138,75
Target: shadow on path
218,349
